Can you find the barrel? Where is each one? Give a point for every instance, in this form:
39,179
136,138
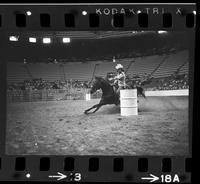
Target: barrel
128,102
88,97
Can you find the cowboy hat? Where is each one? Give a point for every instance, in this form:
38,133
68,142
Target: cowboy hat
118,66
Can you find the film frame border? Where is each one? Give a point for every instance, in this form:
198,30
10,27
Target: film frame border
103,160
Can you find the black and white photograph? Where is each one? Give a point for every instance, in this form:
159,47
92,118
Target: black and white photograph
98,93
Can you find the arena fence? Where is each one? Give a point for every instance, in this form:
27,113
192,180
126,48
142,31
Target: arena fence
74,94
48,95
180,92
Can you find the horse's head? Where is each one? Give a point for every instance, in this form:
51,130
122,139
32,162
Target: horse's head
96,85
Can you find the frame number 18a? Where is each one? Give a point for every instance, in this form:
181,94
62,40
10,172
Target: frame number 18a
169,178
163,178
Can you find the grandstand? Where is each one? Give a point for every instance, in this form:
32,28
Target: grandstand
157,65
172,64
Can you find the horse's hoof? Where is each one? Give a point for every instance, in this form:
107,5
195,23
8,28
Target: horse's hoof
85,112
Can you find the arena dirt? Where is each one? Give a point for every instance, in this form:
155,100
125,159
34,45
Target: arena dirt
61,128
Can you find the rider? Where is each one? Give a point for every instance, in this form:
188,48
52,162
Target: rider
120,78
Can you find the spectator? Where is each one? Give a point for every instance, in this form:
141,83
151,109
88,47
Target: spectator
169,83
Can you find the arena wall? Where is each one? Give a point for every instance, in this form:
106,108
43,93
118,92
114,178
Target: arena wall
76,94
180,92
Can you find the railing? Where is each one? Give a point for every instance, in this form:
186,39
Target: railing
179,92
75,94
49,95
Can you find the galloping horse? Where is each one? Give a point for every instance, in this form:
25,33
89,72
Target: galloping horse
109,96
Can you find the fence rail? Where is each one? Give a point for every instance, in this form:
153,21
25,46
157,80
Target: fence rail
48,95
180,92
74,94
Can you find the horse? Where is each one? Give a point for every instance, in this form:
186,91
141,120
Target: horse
109,96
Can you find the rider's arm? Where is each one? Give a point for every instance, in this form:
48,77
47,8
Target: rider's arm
121,75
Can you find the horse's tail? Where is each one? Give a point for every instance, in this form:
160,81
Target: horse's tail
141,91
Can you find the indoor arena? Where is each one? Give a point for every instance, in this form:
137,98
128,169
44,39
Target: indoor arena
48,84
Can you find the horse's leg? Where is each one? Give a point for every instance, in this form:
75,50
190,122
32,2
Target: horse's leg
94,106
141,91
101,103
98,107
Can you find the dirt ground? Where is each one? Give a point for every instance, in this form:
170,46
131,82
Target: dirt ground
61,128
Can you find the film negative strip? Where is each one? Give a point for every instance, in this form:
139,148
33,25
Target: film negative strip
97,92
